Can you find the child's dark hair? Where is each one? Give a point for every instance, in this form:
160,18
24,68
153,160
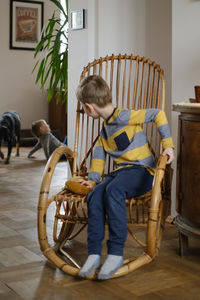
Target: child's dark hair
94,89
36,127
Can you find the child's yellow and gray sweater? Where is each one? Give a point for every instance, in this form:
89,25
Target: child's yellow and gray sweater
123,138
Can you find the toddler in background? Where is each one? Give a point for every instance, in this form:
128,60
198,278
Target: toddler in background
46,139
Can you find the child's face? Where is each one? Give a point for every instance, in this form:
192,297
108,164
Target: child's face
44,128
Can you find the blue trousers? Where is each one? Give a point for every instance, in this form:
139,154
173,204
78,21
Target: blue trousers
108,199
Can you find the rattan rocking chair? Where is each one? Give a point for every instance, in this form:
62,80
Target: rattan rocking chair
135,82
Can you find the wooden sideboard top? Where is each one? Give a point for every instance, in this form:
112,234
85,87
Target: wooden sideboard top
186,107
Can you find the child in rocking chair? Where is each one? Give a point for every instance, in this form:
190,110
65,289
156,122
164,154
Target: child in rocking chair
124,140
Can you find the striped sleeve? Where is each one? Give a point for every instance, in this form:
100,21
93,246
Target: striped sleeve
159,117
98,162
164,130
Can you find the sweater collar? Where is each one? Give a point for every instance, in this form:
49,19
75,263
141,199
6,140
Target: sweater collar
107,120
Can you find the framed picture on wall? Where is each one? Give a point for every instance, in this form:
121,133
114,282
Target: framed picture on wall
26,22
78,19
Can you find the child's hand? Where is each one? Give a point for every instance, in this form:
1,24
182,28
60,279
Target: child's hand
170,153
85,182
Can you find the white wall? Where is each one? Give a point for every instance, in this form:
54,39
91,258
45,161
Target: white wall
121,27
78,57
17,85
112,26
159,41
185,59
186,49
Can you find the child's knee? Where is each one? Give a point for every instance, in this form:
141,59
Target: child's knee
114,190
94,200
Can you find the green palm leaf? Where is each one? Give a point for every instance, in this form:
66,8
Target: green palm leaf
52,64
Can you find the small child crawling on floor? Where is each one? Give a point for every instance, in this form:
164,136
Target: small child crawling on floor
46,139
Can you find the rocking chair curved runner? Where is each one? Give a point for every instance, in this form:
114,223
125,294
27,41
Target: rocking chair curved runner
135,83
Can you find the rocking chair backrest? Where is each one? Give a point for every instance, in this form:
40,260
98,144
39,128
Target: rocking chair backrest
135,83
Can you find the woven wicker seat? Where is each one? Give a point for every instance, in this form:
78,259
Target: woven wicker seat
135,83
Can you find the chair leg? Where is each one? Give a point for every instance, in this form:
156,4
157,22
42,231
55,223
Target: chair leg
183,244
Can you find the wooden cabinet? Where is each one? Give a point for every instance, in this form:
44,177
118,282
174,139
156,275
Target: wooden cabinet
188,173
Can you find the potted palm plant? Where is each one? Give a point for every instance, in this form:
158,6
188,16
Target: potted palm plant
52,56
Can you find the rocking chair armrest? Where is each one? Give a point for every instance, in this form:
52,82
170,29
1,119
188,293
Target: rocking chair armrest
69,152
154,208
162,161
63,150
158,178
165,172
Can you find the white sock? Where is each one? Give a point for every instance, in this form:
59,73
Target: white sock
91,264
110,266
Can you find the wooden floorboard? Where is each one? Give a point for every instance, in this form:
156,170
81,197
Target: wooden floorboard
26,274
